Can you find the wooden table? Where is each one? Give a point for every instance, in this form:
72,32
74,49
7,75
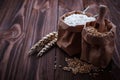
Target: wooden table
24,22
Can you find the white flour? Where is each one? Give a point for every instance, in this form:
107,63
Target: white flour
78,19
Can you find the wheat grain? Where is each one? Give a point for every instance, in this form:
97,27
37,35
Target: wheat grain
77,66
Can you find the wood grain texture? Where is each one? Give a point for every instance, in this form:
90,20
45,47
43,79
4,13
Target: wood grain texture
24,22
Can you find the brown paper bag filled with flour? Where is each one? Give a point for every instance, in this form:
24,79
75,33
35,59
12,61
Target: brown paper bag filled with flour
69,36
98,48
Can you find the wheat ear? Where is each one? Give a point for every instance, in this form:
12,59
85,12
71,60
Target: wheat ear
47,47
41,43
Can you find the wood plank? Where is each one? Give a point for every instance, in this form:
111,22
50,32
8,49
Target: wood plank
65,6
114,8
10,36
33,20
43,68
112,14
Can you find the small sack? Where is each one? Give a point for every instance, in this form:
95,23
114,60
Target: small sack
98,48
69,37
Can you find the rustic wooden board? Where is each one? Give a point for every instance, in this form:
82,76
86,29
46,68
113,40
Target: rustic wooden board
24,22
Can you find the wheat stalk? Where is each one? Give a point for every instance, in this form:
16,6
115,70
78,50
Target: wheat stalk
42,43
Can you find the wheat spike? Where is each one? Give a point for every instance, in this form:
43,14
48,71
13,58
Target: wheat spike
47,47
41,43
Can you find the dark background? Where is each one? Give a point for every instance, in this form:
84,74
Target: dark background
24,22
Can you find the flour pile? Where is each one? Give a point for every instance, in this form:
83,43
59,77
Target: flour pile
78,19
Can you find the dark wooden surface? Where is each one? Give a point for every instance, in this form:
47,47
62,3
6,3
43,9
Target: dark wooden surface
24,22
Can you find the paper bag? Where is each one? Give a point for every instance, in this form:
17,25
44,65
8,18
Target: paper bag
98,48
69,37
